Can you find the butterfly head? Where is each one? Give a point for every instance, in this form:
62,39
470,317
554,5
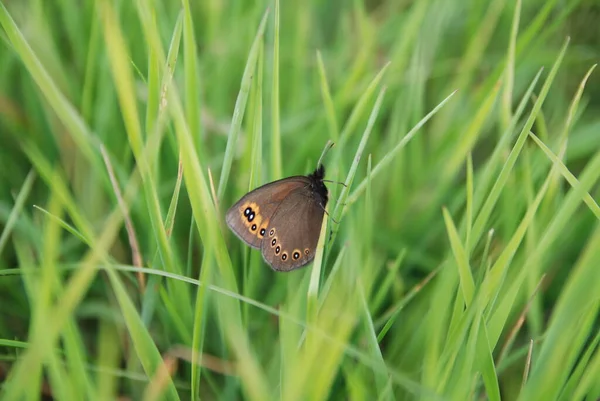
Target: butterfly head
317,184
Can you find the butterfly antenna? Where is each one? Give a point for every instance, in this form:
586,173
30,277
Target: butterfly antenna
328,215
336,182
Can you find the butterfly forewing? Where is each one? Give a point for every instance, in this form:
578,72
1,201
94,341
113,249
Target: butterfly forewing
291,238
250,217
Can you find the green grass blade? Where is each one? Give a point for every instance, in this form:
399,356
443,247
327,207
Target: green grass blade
240,106
276,167
467,284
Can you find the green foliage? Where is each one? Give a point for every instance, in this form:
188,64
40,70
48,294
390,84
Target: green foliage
459,259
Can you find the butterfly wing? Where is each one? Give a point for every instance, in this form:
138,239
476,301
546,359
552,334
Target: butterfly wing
293,231
251,215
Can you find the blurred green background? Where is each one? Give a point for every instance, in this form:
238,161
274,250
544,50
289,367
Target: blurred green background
460,261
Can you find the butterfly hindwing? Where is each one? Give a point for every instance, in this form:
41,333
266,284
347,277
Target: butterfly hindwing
293,232
250,217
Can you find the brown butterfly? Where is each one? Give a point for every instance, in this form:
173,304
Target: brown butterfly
283,219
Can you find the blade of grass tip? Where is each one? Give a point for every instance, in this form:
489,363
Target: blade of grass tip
509,71
191,72
213,191
275,118
494,194
328,145
17,208
563,137
334,129
57,183
65,225
357,113
394,152
571,179
131,235
467,284
518,355
575,103
340,204
240,107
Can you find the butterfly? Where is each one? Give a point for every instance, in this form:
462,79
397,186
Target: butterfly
283,219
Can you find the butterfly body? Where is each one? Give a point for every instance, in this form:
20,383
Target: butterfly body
282,219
